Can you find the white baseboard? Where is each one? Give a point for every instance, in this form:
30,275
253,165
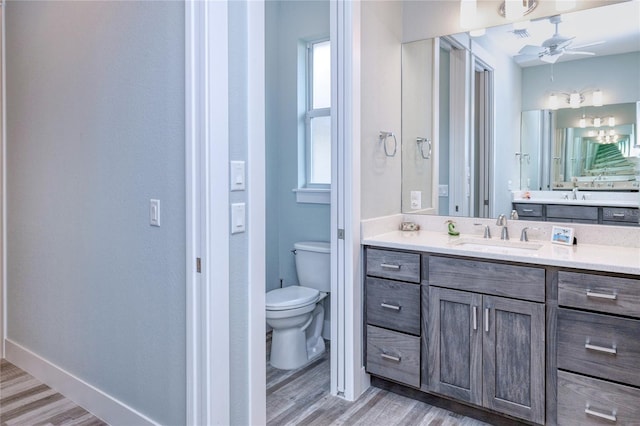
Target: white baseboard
88,397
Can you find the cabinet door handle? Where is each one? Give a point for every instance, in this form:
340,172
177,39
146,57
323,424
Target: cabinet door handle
475,317
486,319
602,295
394,307
618,215
527,210
390,357
611,417
389,266
596,348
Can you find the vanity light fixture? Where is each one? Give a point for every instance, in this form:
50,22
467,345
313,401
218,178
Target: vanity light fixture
516,9
597,122
612,121
601,133
468,9
574,99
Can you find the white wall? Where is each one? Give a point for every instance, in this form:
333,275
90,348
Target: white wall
95,128
289,23
381,95
618,76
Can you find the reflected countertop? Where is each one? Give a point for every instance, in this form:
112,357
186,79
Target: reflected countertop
583,198
625,260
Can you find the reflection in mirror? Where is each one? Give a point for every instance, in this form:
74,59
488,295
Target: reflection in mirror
519,159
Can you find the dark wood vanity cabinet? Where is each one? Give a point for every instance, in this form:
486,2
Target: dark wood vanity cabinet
543,344
598,349
621,216
393,309
485,349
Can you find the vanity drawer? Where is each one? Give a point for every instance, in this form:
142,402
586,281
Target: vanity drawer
528,210
393,264
619,214
599,345
521,282
393,304
393,355
577,213
587,401
599,293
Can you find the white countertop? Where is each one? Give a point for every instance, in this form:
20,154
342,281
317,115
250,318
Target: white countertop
584,198
593,257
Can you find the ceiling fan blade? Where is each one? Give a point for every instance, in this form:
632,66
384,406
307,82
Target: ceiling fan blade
577,52
531,50
582,46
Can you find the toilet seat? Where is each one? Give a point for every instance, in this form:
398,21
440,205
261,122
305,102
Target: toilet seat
291,297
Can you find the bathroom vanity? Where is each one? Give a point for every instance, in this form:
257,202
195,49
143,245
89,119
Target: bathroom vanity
544,336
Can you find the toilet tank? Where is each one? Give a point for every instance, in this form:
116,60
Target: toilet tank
313,264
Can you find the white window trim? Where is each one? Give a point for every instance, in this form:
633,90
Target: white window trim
313,195
310,113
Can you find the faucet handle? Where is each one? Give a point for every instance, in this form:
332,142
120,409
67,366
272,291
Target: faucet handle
501,220
514,215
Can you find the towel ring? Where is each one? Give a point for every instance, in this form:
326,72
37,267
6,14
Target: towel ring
383,138
420,142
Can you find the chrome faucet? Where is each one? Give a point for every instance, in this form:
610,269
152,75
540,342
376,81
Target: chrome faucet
487,231
502,221
523,234
575,193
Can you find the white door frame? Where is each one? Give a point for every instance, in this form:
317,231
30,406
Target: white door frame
206,169
3,188
208,381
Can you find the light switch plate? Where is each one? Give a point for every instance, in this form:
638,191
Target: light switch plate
237,176
443,190
237,218
416,199
154,212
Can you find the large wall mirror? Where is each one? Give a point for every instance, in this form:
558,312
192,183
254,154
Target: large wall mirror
493,130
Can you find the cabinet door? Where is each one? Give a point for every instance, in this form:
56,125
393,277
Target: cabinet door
513,355
455,344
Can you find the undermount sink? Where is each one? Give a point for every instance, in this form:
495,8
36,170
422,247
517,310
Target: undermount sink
497,246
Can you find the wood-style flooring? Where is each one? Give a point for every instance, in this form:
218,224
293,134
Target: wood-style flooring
26,401
301,397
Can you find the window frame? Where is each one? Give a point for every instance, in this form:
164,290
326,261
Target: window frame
311,113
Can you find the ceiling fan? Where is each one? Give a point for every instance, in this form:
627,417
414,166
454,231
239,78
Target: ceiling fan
556,46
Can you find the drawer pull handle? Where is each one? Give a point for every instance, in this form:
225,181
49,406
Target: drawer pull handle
527,210
618,215
591,347
486,319
394,307
390,357
602,295
611,417
475,317
389,266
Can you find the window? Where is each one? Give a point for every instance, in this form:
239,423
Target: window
318,115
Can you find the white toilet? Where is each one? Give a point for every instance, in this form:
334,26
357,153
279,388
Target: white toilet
295,313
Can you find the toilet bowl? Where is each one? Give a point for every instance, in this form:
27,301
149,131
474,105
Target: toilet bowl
296,313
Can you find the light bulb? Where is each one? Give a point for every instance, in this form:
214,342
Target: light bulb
601,133
597,122
597,98
612,121
562,5
574,100
583,122
468,10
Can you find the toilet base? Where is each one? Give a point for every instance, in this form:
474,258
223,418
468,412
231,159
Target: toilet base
295,347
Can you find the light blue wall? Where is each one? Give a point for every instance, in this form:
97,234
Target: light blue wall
288,22
95,128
